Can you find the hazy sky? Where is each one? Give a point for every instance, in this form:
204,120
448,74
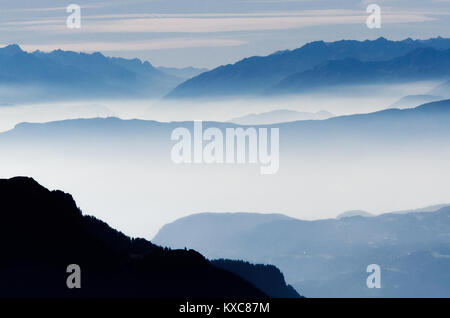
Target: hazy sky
209,33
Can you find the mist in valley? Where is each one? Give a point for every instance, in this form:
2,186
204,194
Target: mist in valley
342,101
126,176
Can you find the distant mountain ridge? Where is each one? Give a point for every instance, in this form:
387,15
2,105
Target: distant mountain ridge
71,75
42,232
328,258
254,75
421,64
59,74
222,227
431,208
390,129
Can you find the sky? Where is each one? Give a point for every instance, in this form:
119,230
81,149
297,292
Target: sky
209,33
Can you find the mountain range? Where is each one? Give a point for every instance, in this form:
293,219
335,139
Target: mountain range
427,123
65,74
431,208
43,232
61,74
420,65
377,133
259,74
328,258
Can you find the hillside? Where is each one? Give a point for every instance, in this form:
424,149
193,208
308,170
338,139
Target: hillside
266,277
43,231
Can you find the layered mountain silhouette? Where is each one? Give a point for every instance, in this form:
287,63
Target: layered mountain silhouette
423,128
219,227
42,232
391,130
431,208
131,158
60,74
421,64
64,74
328,258
255,75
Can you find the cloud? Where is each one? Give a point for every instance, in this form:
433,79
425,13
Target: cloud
215,23
148,45
97,5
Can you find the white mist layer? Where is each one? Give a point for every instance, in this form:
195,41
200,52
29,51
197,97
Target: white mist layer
362,99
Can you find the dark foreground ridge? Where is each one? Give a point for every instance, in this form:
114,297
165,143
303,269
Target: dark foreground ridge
266,277
42,232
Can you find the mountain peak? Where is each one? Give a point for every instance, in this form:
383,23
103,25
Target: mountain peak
315,44
98,54
381,39
11,49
